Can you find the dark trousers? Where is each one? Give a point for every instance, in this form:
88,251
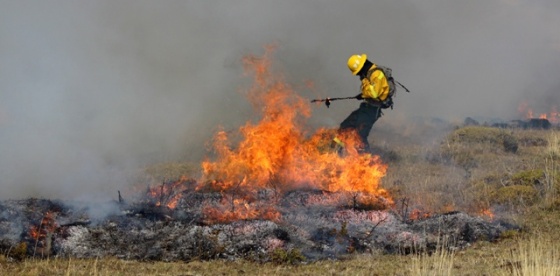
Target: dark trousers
362,120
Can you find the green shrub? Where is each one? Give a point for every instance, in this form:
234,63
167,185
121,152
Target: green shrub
283,256
477,134
485,135
528,177
515,194
480,190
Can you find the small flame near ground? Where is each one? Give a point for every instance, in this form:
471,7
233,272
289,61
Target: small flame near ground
169,193
552,115
417,214
239,209
487,213
46,225
278,153
40,235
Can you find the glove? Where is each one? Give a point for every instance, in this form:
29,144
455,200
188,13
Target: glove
359,96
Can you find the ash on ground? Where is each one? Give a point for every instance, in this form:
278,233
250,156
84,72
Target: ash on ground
315,224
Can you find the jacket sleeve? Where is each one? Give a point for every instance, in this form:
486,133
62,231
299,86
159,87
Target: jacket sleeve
376,86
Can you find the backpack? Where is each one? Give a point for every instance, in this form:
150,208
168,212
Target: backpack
388,72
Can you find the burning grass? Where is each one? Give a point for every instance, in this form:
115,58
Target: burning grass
277,153
250,169
528,251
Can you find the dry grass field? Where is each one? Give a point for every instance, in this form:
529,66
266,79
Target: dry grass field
497,173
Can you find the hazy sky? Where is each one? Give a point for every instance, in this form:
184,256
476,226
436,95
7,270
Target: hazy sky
91,89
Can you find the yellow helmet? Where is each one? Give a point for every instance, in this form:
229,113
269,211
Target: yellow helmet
356,62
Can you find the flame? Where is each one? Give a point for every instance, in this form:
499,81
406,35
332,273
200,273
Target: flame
487,213
552,116
172,203
417,214
168,194
238,209
276,153
46,225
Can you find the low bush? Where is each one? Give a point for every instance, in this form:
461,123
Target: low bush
528,177
510,143
515,195
283,256
477,134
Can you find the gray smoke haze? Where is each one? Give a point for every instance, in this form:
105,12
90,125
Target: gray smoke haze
90,90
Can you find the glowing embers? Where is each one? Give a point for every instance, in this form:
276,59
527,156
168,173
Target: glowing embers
46,225
41,235
230,210
169,193
487,213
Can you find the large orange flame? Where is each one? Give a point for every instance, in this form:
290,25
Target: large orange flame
276,153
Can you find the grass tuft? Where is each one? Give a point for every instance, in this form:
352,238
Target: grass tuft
439,263
534,256
283,256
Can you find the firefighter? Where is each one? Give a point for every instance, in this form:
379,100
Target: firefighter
374,95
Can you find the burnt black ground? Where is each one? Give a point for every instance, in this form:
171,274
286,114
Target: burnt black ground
143,231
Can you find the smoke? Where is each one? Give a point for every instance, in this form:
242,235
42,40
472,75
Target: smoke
89,91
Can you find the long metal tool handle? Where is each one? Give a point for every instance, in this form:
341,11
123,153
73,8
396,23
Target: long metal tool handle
328,100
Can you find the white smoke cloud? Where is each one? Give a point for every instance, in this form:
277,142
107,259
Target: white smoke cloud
91,89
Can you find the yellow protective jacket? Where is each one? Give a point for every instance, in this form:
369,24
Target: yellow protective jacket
375,85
